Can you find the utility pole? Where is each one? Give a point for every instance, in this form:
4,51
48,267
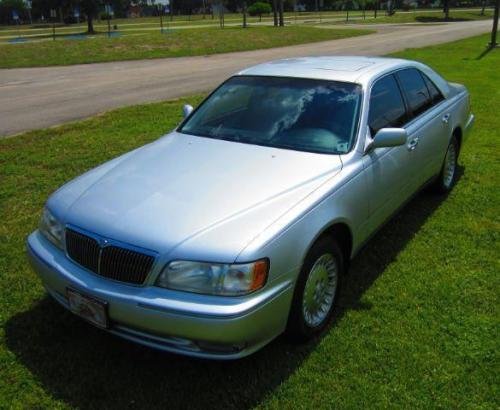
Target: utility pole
165,9
107,7
221,14
493,42
15,17
282,21
275,13
28,6
160,12
53,16
244,14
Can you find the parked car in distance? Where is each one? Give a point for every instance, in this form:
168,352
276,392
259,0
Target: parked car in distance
240,224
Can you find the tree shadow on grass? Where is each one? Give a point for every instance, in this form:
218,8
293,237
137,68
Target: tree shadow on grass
436,19
88,368
487,50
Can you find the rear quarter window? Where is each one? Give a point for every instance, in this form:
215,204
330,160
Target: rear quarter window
434,92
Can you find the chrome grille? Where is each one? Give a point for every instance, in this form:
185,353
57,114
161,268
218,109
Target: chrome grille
83,249
110,261
124,264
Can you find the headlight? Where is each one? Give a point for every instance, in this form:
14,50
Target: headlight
51,228
214,278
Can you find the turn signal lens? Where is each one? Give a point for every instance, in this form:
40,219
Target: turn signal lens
259,278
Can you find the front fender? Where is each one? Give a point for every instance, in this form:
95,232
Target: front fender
291,239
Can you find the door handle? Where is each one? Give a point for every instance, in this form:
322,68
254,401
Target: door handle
446,118
412,144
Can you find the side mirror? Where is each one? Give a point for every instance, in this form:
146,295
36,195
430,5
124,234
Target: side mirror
389,137
186,110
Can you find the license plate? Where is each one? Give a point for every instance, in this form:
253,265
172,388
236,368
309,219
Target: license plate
91,309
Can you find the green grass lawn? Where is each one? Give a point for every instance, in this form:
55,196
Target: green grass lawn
134,26
417,322
176,43
176,19
423,17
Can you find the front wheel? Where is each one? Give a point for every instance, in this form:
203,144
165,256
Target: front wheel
316,290
448,175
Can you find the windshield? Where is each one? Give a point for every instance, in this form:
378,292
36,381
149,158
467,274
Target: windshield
293,113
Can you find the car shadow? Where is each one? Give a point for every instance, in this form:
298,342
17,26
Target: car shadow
89,368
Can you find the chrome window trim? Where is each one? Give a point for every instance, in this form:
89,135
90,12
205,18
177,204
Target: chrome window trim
414,119
369,95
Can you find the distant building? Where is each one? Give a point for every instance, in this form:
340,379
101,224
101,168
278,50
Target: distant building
134,11
218,8
143,8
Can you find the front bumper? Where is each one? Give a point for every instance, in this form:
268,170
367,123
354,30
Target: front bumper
180,322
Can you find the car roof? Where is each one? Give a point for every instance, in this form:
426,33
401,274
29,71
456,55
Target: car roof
336,68
354,69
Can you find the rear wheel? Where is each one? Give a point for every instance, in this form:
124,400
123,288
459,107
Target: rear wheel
316,290
448,175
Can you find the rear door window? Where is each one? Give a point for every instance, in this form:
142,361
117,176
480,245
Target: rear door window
415,90
387,108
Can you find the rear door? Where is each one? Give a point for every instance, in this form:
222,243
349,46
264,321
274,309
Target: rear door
429,124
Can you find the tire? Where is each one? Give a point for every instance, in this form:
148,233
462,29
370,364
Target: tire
448,175
319,280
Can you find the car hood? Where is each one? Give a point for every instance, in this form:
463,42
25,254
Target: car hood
207,198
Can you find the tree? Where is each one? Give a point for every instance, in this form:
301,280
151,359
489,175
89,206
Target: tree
280,13
446,9
259,8
7,7
120,7
90,8
391,7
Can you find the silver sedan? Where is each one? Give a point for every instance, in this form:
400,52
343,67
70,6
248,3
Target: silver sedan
240,224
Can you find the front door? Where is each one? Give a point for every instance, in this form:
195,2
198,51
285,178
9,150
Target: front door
388,171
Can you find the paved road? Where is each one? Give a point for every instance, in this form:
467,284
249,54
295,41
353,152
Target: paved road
32,98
